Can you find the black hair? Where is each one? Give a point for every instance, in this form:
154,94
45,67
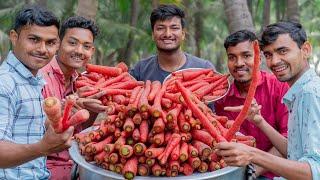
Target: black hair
78,22
238,37
166,11
33,14
272,31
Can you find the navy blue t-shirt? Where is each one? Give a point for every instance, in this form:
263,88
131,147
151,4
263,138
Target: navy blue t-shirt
149,69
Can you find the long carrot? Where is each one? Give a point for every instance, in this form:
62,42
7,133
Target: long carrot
105,70
252,89
155,88
197,112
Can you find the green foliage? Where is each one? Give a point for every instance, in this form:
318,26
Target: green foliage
113,18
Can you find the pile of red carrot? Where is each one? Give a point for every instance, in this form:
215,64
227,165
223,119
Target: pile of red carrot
206,84
160,129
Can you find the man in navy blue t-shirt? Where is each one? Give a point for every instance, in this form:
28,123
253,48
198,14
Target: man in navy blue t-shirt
167,23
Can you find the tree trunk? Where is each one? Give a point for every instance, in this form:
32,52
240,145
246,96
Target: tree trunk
190,41
266,14
42,3
293,10
278,11
155,4
250,6
87,8
238,15
133,24
198,27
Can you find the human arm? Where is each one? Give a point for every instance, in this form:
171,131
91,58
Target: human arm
12,154
237,154
254,115
260,170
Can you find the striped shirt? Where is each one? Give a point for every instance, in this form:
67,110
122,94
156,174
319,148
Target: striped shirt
21,115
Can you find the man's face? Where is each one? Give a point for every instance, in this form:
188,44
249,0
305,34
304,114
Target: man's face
35,45
240,61
285,59
76,48
168,34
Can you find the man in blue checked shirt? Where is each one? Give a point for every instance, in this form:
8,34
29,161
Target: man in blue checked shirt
24,138
287,50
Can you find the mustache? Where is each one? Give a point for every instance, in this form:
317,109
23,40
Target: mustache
241,68
76,55
40,55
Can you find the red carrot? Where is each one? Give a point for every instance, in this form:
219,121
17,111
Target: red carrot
126,151
184,152
203,149
175,140
66,113
194,162
187,169
155,88
139,149
158,126
189,75
143,103
109,148
99,158
143,170
129,170
203,136
158,139
136,134
128,125
203,167
193,152
242,115
156,170
144,130
166,103
197,112
175,154
113,158
78,118
137,119
52,108
154,152
105,70
122,66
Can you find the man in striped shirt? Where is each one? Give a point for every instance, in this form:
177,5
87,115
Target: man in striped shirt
24,138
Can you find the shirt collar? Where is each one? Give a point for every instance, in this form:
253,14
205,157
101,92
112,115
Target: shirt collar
234,90
296,87
23,71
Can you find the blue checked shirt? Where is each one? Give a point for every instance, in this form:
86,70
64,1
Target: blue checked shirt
303,102
21,116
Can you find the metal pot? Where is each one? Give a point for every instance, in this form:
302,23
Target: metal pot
89,171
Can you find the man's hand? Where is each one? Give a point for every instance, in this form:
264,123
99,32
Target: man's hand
234,154
53,142
254,113
92,105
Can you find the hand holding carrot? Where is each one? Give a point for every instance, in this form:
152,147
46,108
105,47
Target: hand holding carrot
254,113
234,154
55,142
92,105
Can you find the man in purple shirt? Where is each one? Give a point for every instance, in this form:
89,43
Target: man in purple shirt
167,23
268,94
